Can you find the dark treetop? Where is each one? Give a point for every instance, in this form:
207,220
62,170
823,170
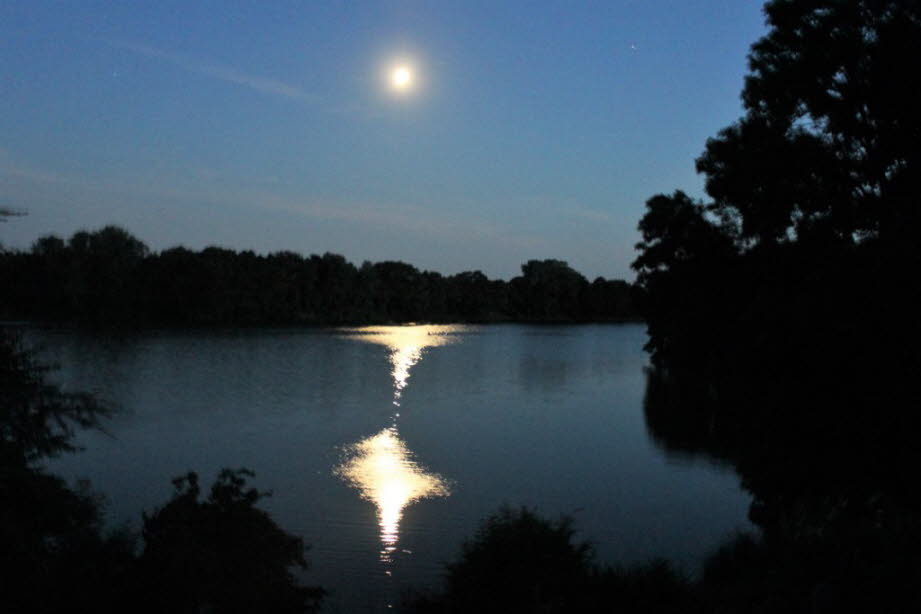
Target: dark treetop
783,312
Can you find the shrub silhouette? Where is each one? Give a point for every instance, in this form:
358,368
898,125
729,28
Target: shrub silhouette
222,553
519,559
53,551
521,562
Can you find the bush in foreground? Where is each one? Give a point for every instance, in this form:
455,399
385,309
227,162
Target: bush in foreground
520,562
222,554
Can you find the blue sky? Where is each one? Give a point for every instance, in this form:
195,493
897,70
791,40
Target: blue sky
535,130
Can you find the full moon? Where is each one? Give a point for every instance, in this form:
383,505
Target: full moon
401,78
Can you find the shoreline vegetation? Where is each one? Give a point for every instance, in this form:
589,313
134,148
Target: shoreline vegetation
110,279
783,311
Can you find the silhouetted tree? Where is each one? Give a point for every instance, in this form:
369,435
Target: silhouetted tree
518,560
782,314
830,136
221,554
821,173
547,290
402,291
684,270
37,418
676,231
54,552
846,71
103,281
52,549
609,300
521,562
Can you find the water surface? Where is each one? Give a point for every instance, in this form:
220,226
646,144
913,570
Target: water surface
385,446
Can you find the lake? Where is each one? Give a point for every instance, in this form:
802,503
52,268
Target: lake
384,447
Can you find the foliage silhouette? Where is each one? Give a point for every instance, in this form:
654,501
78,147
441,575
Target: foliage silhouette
53,551
52,547
836,525
109,278
521,562
517,557
38,419
782,313
821,174
222,552
548,290
789,293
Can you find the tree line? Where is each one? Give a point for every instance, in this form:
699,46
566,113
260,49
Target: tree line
109,277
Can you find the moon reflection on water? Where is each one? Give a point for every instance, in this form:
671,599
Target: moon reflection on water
381,466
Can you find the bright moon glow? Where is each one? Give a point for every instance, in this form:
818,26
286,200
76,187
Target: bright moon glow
406,344
382,469
401,78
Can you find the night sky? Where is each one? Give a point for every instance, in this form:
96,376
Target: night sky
530,130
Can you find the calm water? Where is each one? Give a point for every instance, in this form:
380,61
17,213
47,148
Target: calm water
385,446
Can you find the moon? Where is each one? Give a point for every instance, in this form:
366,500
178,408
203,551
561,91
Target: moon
401,78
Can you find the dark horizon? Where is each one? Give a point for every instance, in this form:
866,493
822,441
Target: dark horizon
44,237
109,278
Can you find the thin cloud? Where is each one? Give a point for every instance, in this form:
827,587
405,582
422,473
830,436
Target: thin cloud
9,167
6,212
222,72
204,189
592,215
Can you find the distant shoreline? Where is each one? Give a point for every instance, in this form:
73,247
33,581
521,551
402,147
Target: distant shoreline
108,278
